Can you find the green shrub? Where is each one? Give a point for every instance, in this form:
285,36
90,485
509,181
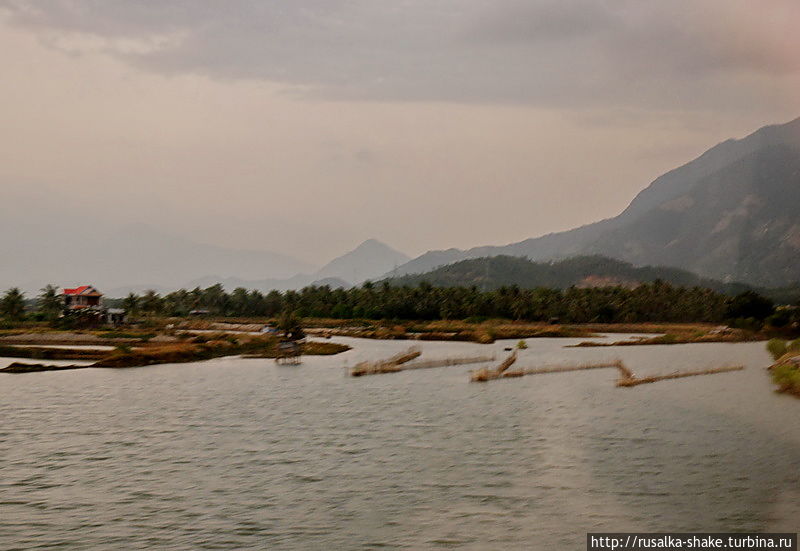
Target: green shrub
780,318
776,347
787,377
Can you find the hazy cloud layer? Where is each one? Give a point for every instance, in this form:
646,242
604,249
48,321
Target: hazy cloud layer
564,52
305,127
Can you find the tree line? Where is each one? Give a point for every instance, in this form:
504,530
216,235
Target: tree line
650,302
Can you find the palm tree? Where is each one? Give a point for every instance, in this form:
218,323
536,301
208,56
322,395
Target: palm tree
50,302
131,304
12,305
150,302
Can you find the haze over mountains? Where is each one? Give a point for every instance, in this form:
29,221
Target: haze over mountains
732,214
139,257
369,260
135,255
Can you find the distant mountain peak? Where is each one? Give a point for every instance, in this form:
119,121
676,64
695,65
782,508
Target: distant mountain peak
372,243
691,218
369,260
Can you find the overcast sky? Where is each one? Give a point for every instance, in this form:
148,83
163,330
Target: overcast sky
307,126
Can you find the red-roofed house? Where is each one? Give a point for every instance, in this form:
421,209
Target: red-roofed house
82,297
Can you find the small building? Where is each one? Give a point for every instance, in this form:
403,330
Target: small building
81,298
116,316
86,301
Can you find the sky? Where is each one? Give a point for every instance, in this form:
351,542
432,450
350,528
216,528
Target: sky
306,127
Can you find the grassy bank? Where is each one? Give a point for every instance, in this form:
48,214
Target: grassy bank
489,331
159,331
204,348
786,369
194,350
45,336
483,332
731,335
35,353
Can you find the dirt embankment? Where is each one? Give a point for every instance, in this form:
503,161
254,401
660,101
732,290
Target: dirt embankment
178,352
100,338
484,333
727,335
43,353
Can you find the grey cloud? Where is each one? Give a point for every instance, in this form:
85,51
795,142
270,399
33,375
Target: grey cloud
574,52
543,21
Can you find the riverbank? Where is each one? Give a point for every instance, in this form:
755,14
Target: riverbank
454,331
45,336
685,337
489,331
197,349
172,340
786,369
44,353
160,331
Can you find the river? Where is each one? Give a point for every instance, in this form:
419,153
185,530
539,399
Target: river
244,454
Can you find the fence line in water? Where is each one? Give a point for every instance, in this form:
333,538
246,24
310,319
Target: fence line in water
444,362
402,362
389,365
634,381
626,377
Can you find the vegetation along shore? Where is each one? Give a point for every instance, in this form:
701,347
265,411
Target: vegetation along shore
185,349
186,326
786,369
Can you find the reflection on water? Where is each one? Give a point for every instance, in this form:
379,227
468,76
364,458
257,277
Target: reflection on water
235,454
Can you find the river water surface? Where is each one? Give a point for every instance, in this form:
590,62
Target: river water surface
243,454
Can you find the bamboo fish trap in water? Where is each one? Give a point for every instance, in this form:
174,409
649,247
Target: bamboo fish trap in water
634,381
402,362
626,377
390,365
487,374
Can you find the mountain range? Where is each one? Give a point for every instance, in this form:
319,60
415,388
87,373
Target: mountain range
369,260
138,257
489,273
732,214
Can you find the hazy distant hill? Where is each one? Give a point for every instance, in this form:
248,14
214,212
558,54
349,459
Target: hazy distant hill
127,256
733,213
265,285
369,260
585,271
